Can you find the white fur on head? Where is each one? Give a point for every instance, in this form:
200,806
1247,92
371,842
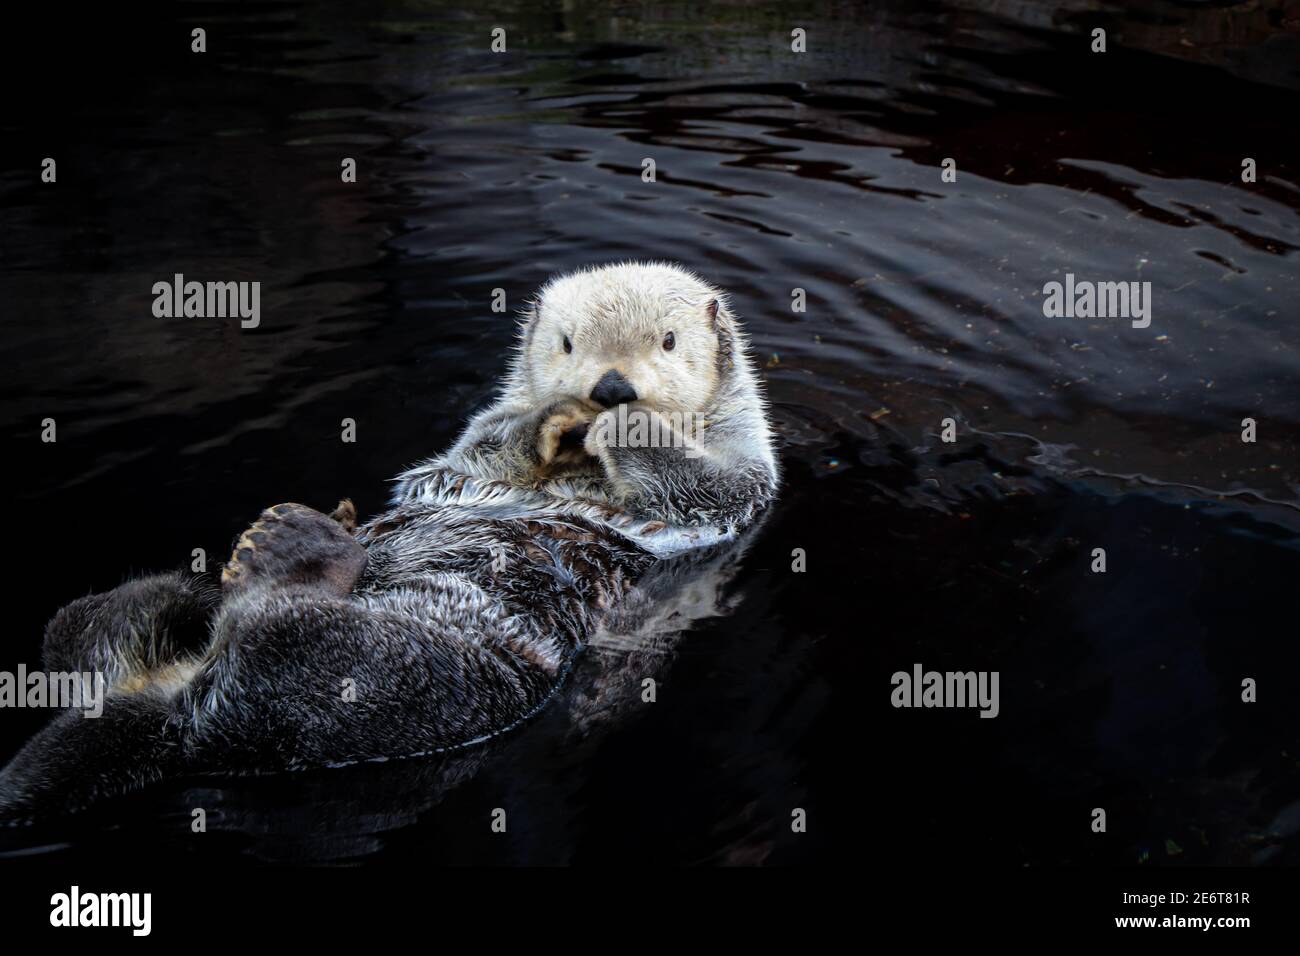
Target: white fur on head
616,317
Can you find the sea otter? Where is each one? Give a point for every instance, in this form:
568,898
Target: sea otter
455,615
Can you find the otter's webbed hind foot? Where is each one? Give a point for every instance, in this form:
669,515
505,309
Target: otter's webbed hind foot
291,544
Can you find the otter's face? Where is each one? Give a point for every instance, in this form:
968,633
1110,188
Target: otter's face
644,335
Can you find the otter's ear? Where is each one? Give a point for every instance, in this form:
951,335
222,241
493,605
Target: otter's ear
526,318
724,327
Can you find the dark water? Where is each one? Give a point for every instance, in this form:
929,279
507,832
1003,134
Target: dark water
924,301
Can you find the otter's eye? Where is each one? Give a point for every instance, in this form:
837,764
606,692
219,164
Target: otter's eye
568,346
670,340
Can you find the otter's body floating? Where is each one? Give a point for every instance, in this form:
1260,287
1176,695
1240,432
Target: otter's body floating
455,615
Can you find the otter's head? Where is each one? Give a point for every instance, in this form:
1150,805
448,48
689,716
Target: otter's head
646,334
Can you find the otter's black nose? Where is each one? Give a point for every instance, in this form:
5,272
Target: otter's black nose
613,389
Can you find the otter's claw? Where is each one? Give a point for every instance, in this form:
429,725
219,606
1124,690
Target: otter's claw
561,436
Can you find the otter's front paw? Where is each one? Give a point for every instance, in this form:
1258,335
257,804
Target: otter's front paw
560,438
291,544
603,433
